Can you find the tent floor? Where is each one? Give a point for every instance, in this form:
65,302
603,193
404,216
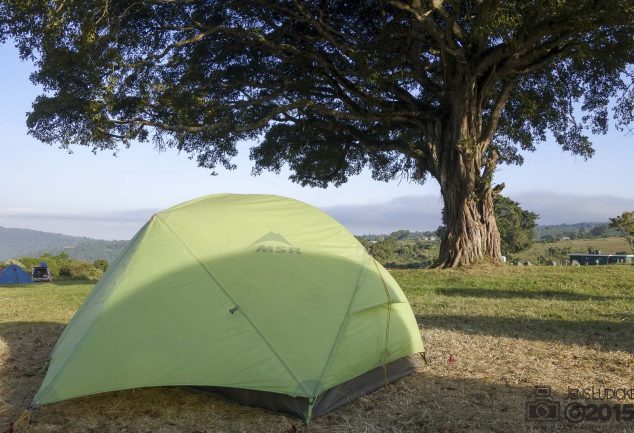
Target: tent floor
327,401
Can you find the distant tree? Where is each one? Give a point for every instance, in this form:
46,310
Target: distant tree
441,232
548,238
401,235
383,251
446,89
625,224
558,253
101,264
363,241
516,225
599,231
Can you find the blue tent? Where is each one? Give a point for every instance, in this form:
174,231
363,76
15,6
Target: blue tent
13,274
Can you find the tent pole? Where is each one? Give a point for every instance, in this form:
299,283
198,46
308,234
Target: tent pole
311,403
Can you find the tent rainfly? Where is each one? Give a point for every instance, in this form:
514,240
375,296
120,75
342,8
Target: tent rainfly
13,274
260,297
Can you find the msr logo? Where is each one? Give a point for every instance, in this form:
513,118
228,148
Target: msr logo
277,249
270,243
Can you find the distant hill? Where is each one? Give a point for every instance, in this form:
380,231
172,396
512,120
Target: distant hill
22,242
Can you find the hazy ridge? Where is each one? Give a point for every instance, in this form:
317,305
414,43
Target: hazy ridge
24,242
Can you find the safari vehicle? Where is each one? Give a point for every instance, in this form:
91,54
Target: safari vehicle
41,273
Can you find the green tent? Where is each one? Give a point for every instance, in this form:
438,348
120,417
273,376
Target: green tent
263,298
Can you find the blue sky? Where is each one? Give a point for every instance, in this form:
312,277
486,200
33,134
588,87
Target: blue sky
104,196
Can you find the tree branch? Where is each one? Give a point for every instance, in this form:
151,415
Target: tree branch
435,32
498,107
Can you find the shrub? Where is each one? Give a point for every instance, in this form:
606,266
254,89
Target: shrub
13,262
77,270
62,266
101,264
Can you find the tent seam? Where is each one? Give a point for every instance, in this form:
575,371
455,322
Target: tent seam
364,309
343,327
255,328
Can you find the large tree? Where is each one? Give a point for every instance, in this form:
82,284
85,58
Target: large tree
406,88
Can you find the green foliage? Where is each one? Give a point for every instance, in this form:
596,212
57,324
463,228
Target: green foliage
63,266
402,249
401,235
414,255
625,224
599,231
12,262
557,254
516,225
302,76
583,230
383,251
77,270
101,264
363,241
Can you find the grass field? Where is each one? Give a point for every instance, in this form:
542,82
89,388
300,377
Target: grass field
508,329
605,245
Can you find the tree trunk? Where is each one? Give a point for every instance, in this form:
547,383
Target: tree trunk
465,176
471,231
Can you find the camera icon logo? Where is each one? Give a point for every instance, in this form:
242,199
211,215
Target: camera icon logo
542,407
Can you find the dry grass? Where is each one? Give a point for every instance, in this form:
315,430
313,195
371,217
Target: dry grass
509,329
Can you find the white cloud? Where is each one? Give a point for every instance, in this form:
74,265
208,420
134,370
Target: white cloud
407,212
98,225
558,208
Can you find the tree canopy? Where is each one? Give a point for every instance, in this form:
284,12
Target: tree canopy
404,88
624,223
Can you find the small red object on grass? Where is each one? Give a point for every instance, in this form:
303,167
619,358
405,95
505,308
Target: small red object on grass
293,429
451,360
